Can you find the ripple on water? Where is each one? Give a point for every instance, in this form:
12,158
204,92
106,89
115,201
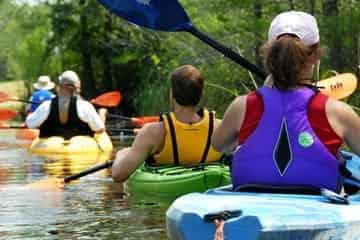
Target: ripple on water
91,208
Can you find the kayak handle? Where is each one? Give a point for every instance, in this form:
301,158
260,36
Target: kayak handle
223,215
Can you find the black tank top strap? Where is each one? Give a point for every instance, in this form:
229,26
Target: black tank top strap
210,132
173,138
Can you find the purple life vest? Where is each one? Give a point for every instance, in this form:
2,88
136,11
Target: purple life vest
284,150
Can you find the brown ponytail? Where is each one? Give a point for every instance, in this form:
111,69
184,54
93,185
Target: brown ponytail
286,60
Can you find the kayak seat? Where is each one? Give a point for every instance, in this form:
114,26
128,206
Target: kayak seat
329,195
306,190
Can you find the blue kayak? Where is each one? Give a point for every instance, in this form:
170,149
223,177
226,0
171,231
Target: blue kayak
267,216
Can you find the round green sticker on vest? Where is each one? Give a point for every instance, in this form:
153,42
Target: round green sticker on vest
305,139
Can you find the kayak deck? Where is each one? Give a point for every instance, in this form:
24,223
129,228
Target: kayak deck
269,216
169,182
75,145
264,216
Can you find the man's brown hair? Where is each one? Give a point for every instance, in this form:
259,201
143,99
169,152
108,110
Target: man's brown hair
187,85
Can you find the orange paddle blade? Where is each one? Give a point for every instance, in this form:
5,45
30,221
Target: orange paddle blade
140,121
109,99
339,86
7,114
147,119
137,122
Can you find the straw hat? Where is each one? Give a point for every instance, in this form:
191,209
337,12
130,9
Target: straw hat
44,83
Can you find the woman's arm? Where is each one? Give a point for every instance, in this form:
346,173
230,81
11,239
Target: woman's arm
345,122
226,134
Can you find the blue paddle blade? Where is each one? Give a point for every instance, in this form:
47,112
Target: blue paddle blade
163,15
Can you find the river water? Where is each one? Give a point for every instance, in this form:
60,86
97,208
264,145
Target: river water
90,208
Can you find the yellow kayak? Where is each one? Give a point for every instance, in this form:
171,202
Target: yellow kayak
61,165
76,145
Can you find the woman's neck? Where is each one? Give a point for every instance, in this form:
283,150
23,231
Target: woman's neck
269,82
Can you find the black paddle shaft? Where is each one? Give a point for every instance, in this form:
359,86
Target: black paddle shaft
23,100
227,52
89,171
14,127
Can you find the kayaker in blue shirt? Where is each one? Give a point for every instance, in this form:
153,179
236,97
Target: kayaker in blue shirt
183,137
283,148
43,92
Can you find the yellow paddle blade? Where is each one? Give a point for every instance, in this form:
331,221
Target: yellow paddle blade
48,184
339,86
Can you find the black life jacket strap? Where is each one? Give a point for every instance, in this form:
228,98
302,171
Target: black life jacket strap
173,139
208,141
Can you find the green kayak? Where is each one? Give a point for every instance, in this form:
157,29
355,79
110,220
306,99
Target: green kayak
170,182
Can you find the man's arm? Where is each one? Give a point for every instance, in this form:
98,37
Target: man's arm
38,117
129,159
87,113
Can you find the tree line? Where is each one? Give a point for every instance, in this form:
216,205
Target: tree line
110,53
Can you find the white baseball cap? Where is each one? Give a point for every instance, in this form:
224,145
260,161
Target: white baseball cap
44,83
300,24
69,78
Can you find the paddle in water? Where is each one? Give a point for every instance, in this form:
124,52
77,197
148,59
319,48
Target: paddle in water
59,183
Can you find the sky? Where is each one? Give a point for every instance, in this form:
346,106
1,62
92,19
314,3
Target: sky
31,2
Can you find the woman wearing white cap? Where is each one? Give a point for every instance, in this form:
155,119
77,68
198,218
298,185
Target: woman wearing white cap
287,133
67,114
43,88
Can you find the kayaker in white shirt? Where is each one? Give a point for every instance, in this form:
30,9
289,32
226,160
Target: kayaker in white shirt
71,116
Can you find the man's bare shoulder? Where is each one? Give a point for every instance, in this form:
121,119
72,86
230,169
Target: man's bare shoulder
154,130
150,137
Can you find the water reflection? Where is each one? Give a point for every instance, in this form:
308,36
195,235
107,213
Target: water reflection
91,208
